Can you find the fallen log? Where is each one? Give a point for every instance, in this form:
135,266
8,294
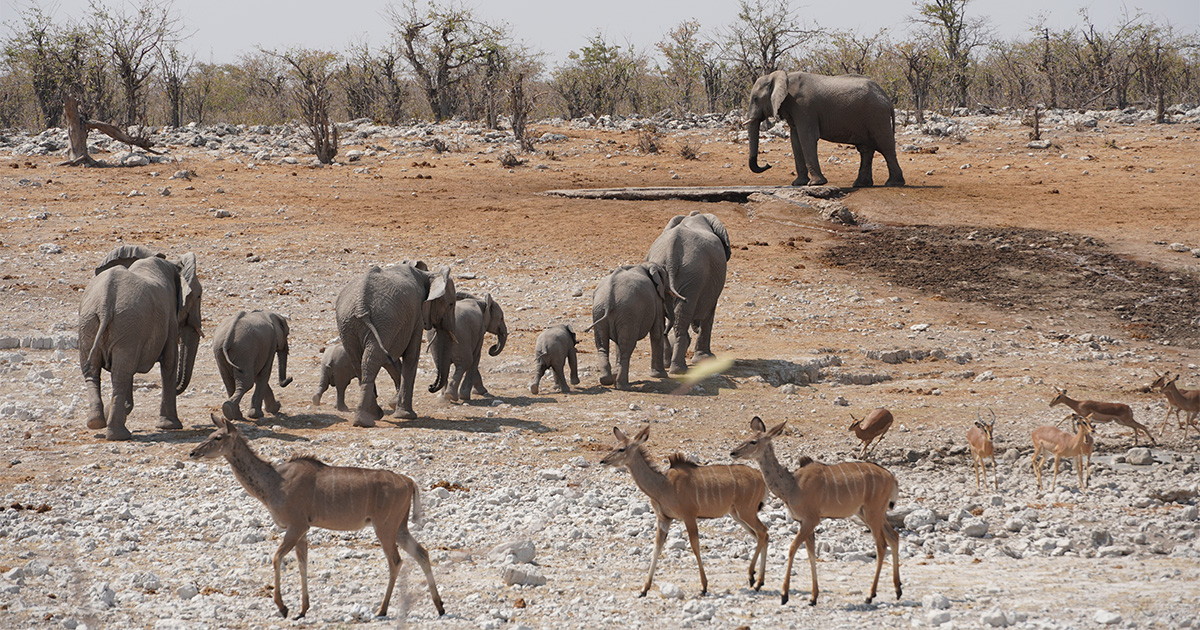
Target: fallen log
77,132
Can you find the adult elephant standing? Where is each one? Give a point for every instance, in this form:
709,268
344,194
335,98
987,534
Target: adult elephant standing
693,250
380,317
850,109
138,310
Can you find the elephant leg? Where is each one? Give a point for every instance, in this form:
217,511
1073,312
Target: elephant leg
624,356
656,350
704,340
808,145
397,382
368,411
95,404
573,360
341,397
679,344
887,148
122,391
270,402
538,371
457,376
603,340
477,382
321,387
798,157
261,387
866,155
408,377
168,416
226,372
560,379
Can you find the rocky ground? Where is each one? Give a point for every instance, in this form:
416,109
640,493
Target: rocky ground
1000,271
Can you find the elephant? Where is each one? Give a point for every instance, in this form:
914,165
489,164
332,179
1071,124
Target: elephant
627,305
245,346
380,316
693,250
849,109
338,370
139,309
555,346
473,317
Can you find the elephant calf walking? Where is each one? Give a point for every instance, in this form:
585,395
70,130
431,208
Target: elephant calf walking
336,370
627,306
555,347
245,346
473,317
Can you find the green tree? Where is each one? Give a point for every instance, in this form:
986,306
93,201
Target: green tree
685,54
764,36
599,77
958,36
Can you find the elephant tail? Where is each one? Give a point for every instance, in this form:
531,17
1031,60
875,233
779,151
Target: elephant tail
593,324
103,325
379,340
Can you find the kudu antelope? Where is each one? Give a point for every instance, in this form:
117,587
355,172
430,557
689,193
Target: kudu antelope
1178,400
689,491
1052,440
817,491
979,439
304,492
1120,413
875,425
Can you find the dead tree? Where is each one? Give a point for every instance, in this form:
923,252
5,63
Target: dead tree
78,127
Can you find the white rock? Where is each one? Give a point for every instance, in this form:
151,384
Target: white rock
1106,618
994,618
974,527
50,248
187,591
1139,456
522,550
919,518
937,617
551,474
668,590
524,575
936,601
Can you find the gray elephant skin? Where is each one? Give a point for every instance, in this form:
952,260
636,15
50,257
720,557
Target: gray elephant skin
380,317
627,305
693,250
245,346
473,317
555,347
849,109
139,309
336,370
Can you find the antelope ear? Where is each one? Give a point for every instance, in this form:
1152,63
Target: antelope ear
777,429
756,424
620,435
642,435
217,420
979,424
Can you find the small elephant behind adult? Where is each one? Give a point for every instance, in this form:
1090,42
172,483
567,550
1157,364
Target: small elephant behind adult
338,370
245,346
848,109
555,347
473,317
627,305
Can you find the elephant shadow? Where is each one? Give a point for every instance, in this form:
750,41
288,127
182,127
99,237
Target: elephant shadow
297,421
474,424
197,434
709,386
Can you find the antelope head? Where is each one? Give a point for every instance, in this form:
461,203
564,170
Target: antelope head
625,448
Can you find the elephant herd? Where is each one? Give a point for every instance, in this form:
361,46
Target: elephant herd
142,308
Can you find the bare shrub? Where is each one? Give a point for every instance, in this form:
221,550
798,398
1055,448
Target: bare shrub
439,145
688,152
648,138
508,160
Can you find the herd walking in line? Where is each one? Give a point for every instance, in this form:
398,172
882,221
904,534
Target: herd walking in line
142,308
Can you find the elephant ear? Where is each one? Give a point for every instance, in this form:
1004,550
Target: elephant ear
282,329
718,228
438,283
675,220
189,284
419,264
659,277
124,256
779,91
571,332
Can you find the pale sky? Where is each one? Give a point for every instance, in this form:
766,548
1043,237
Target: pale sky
224,29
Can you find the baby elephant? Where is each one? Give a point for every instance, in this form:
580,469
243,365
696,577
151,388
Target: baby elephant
473,317
555,346
336,370
627,306
245,345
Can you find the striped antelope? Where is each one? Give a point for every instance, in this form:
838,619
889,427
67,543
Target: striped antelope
689,491
979,439
1178,400
1049,440
875,425
1120,413
303,493
817,491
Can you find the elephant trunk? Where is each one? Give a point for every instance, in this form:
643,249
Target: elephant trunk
501,339
189,341
284,379
442,349
753,126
